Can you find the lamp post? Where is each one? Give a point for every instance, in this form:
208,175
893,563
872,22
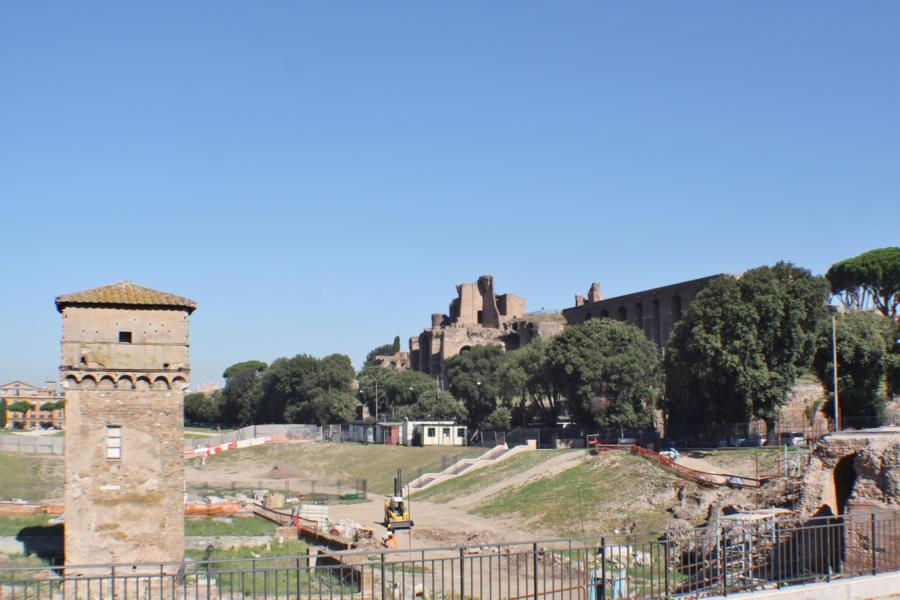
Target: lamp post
837,415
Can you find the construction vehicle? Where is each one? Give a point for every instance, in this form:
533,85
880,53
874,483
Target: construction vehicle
396,510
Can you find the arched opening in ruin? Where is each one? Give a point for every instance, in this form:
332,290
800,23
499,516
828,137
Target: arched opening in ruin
844,480
623,313
604,314
639,315
676,308
588,316
465,349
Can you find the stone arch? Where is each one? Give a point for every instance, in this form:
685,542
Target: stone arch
623,313
160,383
142,383
107,383
71,382
639,315
125,383
88,382
844,480
465,349
179,383
604,314
588,316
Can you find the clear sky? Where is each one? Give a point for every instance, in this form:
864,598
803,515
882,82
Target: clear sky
319,176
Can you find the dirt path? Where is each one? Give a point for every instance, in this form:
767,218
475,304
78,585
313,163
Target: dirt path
547,468
699,464
448,523
436,524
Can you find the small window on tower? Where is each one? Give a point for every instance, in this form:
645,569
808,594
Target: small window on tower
113,442
125,337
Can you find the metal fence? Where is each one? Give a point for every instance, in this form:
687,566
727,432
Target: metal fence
33,444
300,432
704,562
303,489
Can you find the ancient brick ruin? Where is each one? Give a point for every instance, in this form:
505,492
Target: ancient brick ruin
478,316
654,311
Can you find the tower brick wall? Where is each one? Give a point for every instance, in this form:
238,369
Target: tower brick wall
124,367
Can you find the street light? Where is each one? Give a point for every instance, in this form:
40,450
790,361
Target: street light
837,416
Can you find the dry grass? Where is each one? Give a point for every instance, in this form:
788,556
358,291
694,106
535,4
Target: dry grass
29,477
377,464
603,493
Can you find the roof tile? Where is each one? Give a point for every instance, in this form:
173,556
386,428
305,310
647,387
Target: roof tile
124,293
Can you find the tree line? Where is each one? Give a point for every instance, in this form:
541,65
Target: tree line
734,357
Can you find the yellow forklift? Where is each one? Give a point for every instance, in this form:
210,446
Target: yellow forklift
396,509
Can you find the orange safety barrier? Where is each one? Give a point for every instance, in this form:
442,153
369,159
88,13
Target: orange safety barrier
701,477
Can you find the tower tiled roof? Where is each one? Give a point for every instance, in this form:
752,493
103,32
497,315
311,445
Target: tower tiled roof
124,293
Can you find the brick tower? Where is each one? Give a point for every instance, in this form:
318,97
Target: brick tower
124,368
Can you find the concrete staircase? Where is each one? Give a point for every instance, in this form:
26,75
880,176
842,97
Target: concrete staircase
465,465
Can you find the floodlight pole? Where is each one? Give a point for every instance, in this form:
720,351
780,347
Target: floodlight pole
837,416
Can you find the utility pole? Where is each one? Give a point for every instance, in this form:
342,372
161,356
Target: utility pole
837,415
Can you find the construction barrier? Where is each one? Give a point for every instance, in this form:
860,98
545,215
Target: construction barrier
701,477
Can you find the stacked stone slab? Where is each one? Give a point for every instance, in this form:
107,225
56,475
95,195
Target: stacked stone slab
124,367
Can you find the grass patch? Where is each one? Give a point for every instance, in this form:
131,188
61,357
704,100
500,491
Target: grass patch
193,526
196,526
11,526
601,494
472,482
29,477
230,559
231,572
347,461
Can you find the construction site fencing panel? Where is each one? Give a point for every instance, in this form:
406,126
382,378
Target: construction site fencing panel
304,489
298,432
33,444
800,432
758,554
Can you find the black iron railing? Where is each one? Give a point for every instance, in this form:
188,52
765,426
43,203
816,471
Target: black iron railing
749,552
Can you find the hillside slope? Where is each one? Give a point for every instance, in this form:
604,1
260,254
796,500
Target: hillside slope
376,463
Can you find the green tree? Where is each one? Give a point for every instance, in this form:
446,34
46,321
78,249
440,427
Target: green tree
431,404
738,352
406,394
472,376
499,420
203,408
306,389
395,348
864,344
335,372
257,366
608,371
241,393
286,390
524,374
20,407
872,276
53,405
2,414
333,406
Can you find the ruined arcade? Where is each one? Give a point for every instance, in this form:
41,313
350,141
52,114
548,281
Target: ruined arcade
124,367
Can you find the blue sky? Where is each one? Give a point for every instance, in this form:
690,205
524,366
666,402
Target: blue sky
319,176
